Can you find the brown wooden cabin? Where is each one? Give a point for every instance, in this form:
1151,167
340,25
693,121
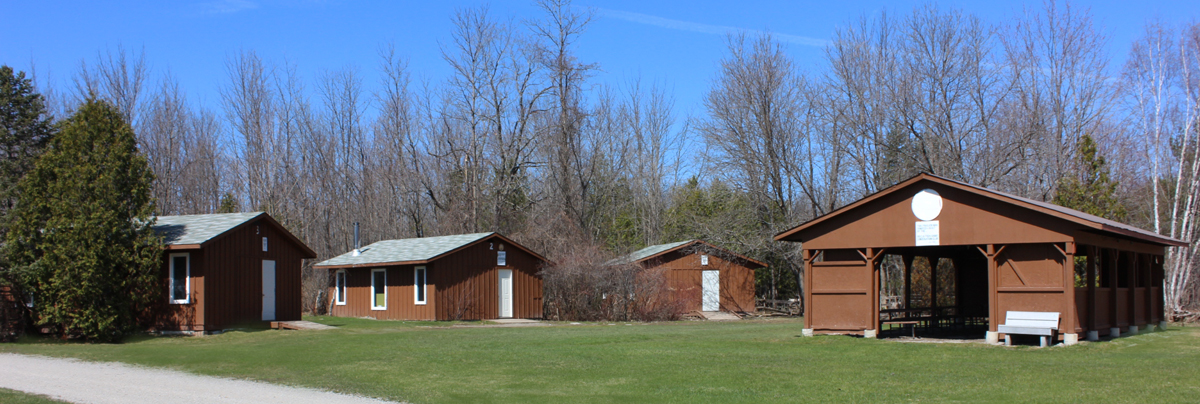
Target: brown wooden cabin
476,276
225,269
13,308
1005,253
704,276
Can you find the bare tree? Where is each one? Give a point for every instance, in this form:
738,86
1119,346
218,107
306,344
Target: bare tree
117,78
1164,91
397,162
487,140
570,168
756,126
250,108
1183,263
1057,60
652,151
182,145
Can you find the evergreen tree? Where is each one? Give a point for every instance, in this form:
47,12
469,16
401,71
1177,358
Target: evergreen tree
1093,192
82,240
229,204
716,213
24,130
725,216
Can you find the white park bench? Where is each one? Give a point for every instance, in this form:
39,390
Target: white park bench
1044,324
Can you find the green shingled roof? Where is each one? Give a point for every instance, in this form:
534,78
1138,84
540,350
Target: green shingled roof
197,229
404,250
649,252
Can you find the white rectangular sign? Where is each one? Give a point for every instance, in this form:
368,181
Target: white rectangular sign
928,233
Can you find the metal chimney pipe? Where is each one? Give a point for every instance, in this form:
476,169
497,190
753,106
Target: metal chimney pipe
356,243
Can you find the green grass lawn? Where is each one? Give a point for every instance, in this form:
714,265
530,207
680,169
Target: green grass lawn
16,397
686,362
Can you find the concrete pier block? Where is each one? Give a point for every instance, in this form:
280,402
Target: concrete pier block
807,332
1070,339
1162,325
992,337
1114,332
1093,335
1133,330
870,333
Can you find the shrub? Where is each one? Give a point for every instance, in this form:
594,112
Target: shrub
584,285
82,241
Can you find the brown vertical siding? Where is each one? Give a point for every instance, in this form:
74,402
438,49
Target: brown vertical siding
685,276
12,313
469,288
188,316
226,280
462,285
401,302
235,265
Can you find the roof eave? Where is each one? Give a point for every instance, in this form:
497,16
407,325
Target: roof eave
664,252
739,256
485,238
698,241
373,264
1143,236
787,234
437,257
1167,241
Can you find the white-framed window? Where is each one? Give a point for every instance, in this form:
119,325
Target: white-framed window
264,244
180,272
379,289
704,259
339,287
501,258
419,282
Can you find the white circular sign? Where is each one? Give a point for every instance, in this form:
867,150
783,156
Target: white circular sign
927,204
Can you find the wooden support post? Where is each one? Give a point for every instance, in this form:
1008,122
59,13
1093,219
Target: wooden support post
992,279
808,256
933,282
1131,277
871,260
1072,316
1157,279
1110,259
908,260
874,263
1092,333
1148,294
958,284
992,252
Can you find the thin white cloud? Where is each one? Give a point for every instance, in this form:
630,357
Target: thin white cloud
703,28
227,6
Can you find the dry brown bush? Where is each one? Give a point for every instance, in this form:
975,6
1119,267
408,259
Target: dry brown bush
584,285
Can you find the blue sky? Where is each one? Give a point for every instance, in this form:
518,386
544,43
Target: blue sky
674,43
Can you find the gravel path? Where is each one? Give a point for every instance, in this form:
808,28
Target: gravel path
102,383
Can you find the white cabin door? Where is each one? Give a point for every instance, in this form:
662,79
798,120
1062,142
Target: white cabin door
711,283
268,273
506,293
